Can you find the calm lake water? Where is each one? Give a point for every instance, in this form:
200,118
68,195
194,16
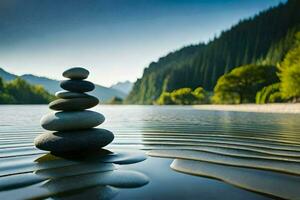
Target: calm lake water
192,154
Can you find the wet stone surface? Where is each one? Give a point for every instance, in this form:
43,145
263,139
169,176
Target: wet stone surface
76,73
77,85
74,141
80,103
70,95
73,120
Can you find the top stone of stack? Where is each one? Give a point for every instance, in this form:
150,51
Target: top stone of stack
76,73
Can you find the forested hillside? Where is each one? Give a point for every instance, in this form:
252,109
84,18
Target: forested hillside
18,91
264,38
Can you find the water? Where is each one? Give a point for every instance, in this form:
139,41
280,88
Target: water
239,155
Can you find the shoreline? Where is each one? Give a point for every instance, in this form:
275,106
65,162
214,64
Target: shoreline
288,108
260,108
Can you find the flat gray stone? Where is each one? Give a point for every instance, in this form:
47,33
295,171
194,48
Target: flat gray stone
74,104
76,73
77,85
83,140
70,95
73,120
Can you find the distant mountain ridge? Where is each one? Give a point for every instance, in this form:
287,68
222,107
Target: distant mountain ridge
124,87
6,76
252,40
52,86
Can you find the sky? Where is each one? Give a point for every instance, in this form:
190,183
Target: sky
114,39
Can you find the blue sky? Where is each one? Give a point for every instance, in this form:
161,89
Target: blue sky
114,39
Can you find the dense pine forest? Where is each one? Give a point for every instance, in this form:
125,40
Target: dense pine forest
264,39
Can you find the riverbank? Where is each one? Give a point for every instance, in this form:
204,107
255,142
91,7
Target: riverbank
263,108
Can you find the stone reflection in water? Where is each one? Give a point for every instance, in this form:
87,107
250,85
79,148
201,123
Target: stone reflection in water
94,193
97,175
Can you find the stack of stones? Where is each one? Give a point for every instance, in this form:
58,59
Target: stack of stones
72,127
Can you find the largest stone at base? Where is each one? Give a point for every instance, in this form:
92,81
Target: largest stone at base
68,141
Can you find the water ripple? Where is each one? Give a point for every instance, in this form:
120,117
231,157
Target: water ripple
248,150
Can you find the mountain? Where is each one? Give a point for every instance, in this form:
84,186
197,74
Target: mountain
50,85
259,38
6,75
103,93
124,87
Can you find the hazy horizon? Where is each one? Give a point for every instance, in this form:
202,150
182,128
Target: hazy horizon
114,40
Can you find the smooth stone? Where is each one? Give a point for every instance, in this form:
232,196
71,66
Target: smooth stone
70,95
73,120
77,85
76,73
74,104
66,141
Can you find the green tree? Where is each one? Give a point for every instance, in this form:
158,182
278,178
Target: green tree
183,96
290,72
242,83
227,90
1,85
200,95
4,97
165,99
24,93
269,94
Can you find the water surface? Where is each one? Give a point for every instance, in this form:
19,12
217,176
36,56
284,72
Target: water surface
205,154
